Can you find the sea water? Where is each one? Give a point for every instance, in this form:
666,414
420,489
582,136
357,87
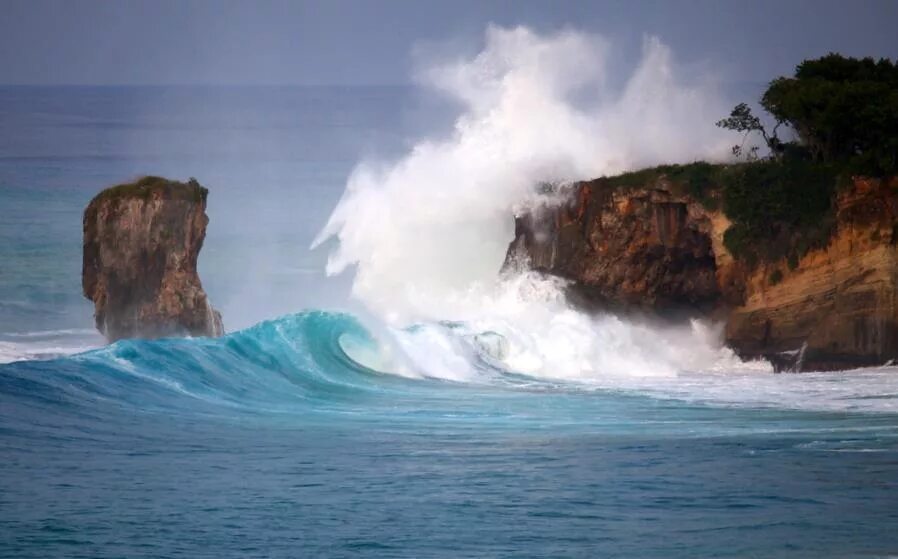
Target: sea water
322,427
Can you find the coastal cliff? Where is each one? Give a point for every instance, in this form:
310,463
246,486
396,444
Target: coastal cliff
141,244
656,247
837,305
644,248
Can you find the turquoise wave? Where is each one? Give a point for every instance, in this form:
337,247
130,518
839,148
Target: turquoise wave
294,362
328,366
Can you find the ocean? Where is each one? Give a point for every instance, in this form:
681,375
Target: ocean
361,404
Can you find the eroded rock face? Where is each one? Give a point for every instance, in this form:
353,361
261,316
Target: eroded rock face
652,248
838,308
141,243
639,248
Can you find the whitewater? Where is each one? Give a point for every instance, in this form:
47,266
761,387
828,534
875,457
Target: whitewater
386,389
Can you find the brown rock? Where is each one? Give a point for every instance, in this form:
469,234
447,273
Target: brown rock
654,249
632,249
838,308
141,243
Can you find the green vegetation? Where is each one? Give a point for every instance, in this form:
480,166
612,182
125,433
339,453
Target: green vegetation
843,111
741,119
776,276
779,208
698,179
844,116
144,187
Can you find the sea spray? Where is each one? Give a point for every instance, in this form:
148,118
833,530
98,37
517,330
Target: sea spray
427,234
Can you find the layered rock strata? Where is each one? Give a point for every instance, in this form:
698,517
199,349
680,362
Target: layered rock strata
653,248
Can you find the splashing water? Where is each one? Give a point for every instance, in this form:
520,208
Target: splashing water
428,233
476,414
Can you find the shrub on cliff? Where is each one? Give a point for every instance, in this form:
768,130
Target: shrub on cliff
844,112
699,178
779,208
145,187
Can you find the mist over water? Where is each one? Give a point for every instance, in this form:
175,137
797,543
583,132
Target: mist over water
429,227
274,159
426,234
418,403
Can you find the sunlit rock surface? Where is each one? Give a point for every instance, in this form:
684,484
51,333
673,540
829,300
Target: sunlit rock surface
652,248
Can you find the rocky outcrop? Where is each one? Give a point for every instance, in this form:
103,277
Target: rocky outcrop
630,249
655,249
838,307
141,243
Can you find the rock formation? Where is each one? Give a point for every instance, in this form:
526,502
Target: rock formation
141,243
654,248
838,308
642,248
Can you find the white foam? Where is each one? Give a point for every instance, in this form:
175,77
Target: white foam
46,344
11,352
427,234
868,390
52,333
426,231
605,353
526,327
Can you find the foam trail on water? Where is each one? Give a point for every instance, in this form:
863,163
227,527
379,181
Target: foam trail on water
319,362
46,344
527,328
428,233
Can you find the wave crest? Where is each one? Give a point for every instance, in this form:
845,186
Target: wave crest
427,234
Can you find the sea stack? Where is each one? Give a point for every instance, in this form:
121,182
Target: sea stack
141,244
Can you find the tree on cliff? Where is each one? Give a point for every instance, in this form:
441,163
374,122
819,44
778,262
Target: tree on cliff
843,110
741,119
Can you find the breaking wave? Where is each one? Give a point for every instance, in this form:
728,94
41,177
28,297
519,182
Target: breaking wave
330,363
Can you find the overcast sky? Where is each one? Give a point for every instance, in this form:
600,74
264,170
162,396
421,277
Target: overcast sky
372,41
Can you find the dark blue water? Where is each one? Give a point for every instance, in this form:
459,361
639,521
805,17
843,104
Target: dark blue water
284,439
274,159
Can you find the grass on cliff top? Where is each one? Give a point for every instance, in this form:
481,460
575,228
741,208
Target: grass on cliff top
699,179
779,208
144,187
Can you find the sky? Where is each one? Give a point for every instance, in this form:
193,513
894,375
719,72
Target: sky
376,42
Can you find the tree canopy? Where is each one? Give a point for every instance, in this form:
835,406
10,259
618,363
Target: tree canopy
843,110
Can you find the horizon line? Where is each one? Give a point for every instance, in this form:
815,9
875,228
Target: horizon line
409,84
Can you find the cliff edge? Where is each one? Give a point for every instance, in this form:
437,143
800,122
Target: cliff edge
644,248
655,247
141,244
